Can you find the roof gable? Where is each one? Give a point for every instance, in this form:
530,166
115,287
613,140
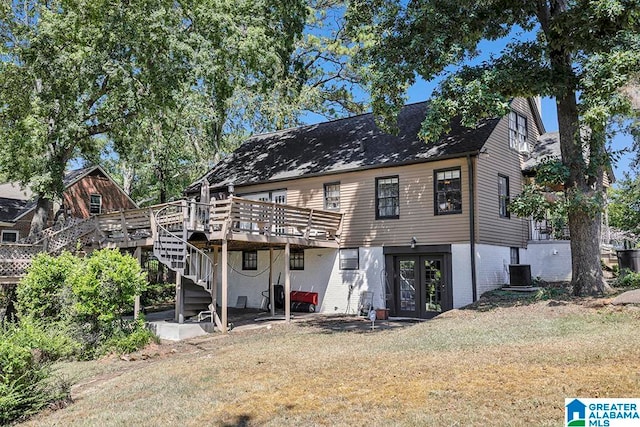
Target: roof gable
342,145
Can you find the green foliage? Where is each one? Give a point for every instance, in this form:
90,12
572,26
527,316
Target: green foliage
42,293
73,306
624,205
583,54
105,286
628,279
158,294
53,341
127,338
25,383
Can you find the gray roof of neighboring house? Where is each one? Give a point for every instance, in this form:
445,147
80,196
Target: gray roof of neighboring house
16,202
341,145
11,208
546,147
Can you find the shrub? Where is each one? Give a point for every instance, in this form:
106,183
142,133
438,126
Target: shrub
129,337
105,287
628,279
42,293
25,384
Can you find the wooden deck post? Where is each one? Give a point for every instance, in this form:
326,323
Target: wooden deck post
179,316
136,301
225,285
214,284
287,283
271,291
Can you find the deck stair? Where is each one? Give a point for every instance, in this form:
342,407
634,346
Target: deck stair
171,227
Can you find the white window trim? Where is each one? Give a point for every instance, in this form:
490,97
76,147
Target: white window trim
99,205
518,132
3,232
357,258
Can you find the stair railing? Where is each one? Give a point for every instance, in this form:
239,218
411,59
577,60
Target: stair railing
173,221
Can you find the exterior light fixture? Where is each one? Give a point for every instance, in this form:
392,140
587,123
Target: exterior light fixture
413,242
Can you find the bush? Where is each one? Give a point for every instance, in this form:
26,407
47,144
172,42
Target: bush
105,287
25,383
129,337
158,294
42,293
628,279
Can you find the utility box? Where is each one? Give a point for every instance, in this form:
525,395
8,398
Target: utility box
629,259
520,275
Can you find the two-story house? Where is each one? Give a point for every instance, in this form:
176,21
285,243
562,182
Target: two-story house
426,226
87,191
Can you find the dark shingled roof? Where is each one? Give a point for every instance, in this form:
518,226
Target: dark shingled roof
339,146
11,208
546,147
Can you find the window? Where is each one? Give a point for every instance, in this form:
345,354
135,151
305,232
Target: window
95,204
249,260
8,236
387,197
448,192
349,259
296,259
518,132
503,196
332,196
515,256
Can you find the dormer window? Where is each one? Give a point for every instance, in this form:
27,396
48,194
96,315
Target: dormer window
518,132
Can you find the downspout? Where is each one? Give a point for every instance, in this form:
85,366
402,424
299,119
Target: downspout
472,228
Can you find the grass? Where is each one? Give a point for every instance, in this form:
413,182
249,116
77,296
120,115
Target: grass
502,366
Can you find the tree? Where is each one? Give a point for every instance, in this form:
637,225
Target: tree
582,53
170,149
624,205
72,71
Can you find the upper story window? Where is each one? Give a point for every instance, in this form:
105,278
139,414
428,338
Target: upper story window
503,196
332,196
95,204
9,236
518,132
387,197
448,192
249,260
296,259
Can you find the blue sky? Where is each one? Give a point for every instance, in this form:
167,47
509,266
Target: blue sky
422,91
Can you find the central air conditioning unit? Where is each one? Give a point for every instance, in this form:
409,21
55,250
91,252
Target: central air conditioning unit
520,275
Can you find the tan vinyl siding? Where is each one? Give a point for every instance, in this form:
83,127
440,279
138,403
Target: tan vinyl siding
358,199
497,158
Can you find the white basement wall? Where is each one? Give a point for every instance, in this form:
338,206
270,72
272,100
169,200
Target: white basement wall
492,267
549,259
461,270
338,290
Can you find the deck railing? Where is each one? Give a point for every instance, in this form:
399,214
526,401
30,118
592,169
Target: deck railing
239,215
234,215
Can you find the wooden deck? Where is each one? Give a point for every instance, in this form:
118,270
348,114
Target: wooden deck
242,223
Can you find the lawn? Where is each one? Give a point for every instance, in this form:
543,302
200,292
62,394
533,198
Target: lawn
494,365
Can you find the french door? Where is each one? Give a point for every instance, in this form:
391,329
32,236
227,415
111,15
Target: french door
421,286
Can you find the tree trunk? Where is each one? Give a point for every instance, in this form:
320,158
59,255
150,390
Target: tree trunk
584,223
40,215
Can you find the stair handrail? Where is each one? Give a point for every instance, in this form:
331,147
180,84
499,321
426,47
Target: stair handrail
208,278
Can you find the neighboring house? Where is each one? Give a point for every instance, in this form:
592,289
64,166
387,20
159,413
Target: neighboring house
426,226
87,191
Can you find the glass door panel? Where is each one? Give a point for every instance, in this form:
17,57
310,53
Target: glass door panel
433,284
407,284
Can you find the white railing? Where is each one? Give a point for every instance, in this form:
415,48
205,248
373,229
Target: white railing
238,215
